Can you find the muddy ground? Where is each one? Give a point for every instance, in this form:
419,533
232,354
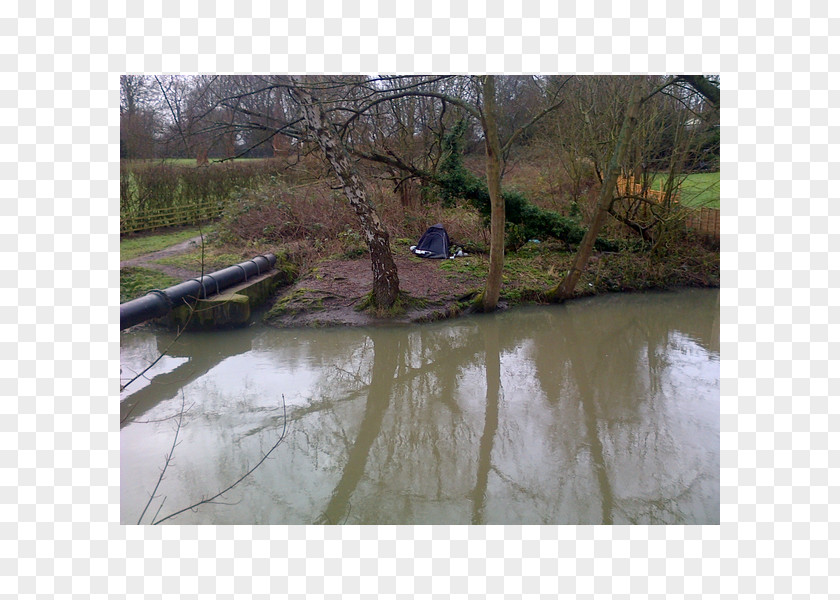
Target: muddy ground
333,291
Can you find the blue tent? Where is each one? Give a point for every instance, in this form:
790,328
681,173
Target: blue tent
434,243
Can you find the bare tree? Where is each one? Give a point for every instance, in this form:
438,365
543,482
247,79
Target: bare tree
493,147
626,138
565,288
138,117
386,284
476,97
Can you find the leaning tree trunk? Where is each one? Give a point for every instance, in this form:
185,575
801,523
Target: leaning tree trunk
706,88
386,284
493,287
566,287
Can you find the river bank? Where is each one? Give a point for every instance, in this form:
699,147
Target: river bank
333,293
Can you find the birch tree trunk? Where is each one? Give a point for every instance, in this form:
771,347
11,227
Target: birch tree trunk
386,284
489,123
566,287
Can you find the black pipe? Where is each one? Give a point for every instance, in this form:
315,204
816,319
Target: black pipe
157,303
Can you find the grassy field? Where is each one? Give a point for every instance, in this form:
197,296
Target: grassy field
697,189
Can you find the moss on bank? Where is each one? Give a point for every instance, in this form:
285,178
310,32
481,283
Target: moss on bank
403,303
297,301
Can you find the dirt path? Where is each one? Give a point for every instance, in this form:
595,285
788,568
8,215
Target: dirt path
147,260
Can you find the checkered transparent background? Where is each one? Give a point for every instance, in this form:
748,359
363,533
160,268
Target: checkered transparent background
59,254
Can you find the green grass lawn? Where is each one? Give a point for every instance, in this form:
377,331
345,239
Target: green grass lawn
136,281
132,247
697,189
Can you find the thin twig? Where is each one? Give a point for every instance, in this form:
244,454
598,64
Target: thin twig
168,458
238,481
157,512
165,418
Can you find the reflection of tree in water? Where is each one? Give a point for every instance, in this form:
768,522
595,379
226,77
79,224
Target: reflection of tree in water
492,370
430,434
422,470
660,459
385,356
597,421
407,425
616,358
412,391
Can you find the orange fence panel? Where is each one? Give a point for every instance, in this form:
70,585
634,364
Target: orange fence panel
704,220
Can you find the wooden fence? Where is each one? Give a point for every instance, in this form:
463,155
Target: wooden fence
702,220
168,217
630,187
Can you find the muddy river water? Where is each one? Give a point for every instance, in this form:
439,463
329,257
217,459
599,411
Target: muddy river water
605,410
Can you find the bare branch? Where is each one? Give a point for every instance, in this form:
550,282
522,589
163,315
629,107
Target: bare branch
527,125
168,458
238,481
